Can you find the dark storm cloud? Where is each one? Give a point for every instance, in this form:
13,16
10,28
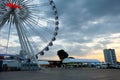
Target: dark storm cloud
102,29
69,13
75,13
103,7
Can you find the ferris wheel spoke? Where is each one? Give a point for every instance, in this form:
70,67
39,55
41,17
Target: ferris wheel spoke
5,15
41,12
2,22
36,30
30,38
37,5
27,1
33,16
39,28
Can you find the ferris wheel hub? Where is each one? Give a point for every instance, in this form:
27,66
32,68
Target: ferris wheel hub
13,6
17,8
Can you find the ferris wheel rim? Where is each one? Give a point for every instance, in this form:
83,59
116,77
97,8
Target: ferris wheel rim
56,27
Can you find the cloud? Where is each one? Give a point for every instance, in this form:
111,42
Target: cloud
85,21
103,7
74,15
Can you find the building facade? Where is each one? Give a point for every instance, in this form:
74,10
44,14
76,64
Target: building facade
110,56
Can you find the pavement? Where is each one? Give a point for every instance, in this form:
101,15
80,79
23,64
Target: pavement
63,74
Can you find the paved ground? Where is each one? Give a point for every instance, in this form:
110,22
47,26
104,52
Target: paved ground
63,74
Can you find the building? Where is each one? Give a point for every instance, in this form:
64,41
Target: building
110,56
68,62
49,63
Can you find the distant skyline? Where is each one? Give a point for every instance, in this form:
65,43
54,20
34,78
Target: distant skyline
86,28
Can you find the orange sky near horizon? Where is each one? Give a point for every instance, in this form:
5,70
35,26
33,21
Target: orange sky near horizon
99,56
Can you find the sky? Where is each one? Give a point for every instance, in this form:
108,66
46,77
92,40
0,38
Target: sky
86,28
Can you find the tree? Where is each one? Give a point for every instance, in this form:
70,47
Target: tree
62,54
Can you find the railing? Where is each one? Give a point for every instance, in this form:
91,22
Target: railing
29,66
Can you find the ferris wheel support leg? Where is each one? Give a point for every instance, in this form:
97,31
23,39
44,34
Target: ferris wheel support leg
21,32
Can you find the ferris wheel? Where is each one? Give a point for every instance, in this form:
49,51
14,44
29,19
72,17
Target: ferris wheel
29,26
